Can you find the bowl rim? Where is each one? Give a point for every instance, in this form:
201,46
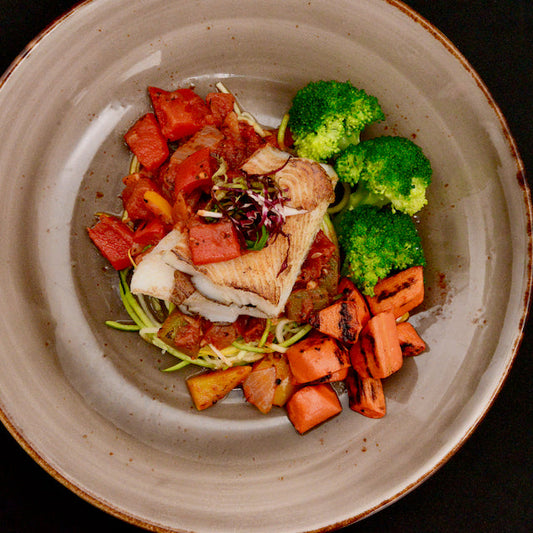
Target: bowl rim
521,180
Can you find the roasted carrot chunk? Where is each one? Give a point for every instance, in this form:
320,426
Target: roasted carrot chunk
339,320
317,357
410,341
312,405
399,293
365,395
208,388
351,293
378,353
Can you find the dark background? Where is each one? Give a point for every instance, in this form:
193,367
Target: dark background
487,485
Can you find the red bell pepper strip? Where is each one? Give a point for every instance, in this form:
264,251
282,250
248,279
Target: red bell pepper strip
180,113
195,171
147,142
212,243
114,239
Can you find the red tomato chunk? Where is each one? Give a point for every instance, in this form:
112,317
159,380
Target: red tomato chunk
220,105
114,239
147,142
180,113
195,172
149,233
212,243
133,196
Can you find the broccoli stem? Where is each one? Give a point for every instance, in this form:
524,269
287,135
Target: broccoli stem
363,196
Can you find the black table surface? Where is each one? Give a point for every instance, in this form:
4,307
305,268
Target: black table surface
487,485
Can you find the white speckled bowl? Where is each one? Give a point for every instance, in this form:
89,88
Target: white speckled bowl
90,404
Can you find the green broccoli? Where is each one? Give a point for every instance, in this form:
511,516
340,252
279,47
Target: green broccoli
377,242
327,116
386,170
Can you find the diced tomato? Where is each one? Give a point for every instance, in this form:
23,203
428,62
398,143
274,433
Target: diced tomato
251,328
114,239
133,196
149,233
212,243
194,172
219,335
180,113
240,141
317,259
220,105
147,142
184,207
182,331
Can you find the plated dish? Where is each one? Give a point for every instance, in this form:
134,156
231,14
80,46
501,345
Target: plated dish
89,372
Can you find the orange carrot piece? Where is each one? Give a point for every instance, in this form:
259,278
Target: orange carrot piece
339,375
208,388
410,341
339,320
365,395
351,293
259,387
378,353
312,405
316,357
399,293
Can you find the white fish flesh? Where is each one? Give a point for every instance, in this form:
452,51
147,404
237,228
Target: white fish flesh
257,283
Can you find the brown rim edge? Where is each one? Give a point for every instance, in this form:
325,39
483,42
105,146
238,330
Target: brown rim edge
522,182
24,444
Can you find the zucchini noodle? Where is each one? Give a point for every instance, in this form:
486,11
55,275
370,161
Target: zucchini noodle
337,208
147,314
277,336
281,131
135,166
329,230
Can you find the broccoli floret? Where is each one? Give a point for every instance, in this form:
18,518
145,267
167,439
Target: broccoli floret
386,169
327,116
376,242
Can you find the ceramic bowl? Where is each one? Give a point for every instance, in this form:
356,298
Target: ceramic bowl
91,405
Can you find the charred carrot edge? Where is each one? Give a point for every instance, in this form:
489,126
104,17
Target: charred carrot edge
316,357
311,405
208,388
338,375
351,293
365,395
378,353
399,293
339,320
411,343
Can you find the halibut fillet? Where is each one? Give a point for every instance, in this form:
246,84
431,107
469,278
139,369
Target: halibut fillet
257,283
